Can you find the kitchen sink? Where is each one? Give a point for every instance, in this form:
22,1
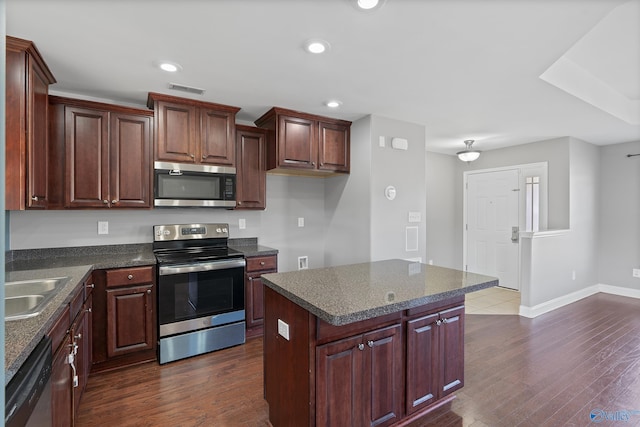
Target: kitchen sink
27,298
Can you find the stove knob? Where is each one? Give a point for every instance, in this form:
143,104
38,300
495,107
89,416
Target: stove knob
224,230
218,230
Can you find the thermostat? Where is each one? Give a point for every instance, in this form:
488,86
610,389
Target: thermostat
390,192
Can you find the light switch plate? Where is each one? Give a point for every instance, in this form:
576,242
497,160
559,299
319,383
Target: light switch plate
242,224
283,329
301,222
636,272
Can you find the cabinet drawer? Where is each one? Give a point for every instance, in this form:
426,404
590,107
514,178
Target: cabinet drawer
129,276
327,332
59,329
262,263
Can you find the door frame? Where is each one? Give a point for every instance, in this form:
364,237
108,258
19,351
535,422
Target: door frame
544,195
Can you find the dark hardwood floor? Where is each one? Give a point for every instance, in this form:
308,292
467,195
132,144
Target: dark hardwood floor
552,371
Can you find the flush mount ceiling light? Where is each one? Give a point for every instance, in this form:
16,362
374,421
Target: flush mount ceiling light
367,5
468,155
316,46
168,66
334,103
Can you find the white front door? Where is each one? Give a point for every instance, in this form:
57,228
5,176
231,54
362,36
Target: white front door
492,212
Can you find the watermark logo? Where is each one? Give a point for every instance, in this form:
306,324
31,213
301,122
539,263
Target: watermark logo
600,415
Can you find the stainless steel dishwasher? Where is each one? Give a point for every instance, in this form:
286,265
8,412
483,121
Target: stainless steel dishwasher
28,394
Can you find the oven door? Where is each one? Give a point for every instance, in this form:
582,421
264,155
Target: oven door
200,295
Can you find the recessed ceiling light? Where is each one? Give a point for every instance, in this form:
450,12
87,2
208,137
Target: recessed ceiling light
316,46
367,4
169,66
334,103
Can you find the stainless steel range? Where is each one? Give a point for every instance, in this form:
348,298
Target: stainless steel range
200,290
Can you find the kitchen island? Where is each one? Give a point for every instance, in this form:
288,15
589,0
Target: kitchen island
378,343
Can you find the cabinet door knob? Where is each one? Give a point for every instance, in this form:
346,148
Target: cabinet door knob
148,291
130,276
34,198
251,279
439,322
313,163
106,202
370,343
89,310
114,201
204,157
239,203
91,286
360,346
261,262
444,320
193,156
78,337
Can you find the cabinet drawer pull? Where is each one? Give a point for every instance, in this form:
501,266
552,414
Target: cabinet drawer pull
439,322
444,320
370,343
78,337
130,277
148,291
261,262
89,310
91,286
251,279
360,346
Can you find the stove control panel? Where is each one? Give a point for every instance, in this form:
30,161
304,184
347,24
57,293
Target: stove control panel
190,231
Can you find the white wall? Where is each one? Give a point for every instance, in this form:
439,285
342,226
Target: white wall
619,225
348,203
441,214
405,170
566,264
288,198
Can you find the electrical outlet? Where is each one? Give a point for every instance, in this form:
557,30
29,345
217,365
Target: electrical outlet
636,272
103,227
283,329
303,262
242,224
301,222
381,141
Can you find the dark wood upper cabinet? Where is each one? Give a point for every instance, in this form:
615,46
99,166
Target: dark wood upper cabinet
100,155
251,187
190,131
27,87
301,143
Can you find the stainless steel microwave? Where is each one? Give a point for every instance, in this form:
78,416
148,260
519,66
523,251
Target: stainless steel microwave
187,185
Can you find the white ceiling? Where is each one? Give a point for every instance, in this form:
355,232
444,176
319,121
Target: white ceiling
466,69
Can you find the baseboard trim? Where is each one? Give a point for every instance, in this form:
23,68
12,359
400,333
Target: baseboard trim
555,303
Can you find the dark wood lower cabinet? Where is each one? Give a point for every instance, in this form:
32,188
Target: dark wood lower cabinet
124,320
254,293
61,386
365,371
130,327
386,371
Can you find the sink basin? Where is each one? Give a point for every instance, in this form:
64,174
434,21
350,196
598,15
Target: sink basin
27,298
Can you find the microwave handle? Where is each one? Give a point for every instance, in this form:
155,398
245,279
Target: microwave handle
175,172
168,270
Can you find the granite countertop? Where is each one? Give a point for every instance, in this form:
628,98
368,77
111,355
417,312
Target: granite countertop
350,293
21,336
250,247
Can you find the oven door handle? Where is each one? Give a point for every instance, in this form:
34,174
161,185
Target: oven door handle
203,266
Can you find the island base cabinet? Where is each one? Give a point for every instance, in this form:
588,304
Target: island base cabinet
359,380
435,357
387,371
